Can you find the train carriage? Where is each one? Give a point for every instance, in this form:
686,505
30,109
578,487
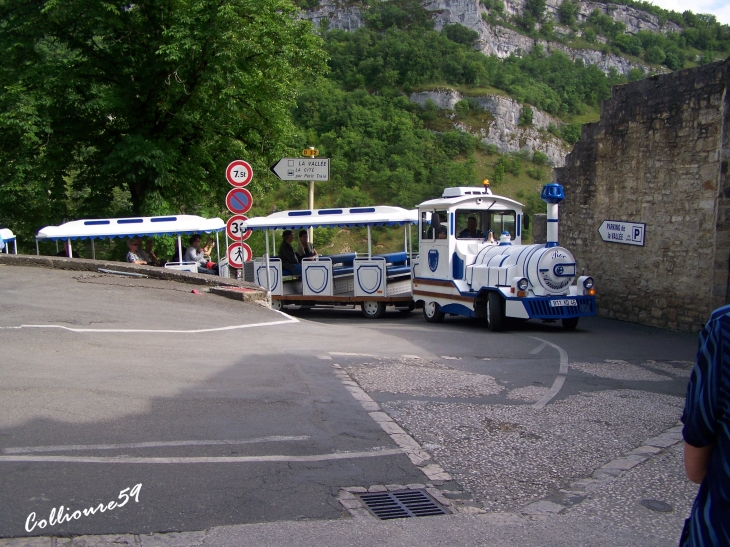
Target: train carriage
372,281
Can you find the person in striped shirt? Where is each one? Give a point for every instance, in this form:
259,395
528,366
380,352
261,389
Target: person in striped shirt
706,433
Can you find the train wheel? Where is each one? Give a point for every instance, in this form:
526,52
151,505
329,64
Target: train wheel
407,309
276,305
372,309
495,312
432,312
570,323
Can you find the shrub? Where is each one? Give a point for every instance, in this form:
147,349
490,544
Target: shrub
567,12
462,106
636,74
526,116
535,173
539,158
498,174
571,133
460,34
655,54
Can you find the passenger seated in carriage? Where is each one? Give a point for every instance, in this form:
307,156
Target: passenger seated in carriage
305,249
136,254
289,260
197,253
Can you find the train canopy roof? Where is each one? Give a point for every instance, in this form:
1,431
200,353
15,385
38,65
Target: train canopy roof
345,217
131,227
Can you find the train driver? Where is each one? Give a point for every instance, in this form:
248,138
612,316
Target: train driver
471,230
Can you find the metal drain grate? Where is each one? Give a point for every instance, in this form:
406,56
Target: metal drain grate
401,504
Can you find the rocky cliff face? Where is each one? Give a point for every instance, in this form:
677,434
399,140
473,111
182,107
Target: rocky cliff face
337,16
504,131
634,19
501,41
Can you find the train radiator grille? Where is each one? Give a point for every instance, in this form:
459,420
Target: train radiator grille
542,309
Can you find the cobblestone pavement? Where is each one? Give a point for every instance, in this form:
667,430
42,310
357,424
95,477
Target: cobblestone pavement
508,455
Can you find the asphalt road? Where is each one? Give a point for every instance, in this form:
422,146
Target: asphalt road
108,382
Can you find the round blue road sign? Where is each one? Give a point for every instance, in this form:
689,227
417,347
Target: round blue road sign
239,200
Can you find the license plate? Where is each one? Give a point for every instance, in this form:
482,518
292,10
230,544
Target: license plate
566,302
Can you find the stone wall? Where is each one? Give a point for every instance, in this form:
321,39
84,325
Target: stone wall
659,155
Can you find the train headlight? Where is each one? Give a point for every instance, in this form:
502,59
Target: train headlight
522,284
587,285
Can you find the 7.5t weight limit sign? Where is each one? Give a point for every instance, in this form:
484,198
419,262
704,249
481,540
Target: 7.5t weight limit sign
239,173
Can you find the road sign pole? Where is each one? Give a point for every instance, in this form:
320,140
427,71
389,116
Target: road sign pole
311,208
268,277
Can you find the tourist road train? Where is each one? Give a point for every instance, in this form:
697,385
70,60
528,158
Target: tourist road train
470,262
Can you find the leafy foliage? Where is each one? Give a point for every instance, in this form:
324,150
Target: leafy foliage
460,34
150,99
380,151
567,12
407,58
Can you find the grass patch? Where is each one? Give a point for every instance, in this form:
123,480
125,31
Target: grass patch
592,114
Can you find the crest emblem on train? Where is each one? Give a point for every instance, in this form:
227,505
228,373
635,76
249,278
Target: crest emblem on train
433,259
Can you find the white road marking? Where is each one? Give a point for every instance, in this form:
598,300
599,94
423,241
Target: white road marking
204,459
410,356
451,358
538,349
324,357
158,331
152,444
560,380
344,354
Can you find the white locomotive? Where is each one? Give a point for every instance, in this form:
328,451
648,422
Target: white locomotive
462,269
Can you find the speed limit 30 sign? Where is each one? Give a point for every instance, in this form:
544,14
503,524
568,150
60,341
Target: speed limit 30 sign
234,228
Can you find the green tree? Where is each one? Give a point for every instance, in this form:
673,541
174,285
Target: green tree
655,54
571,133
149,98
536,8
567,12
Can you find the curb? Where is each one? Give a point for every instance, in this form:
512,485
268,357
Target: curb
252,291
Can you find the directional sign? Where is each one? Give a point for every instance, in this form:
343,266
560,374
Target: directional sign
239,200
239,173
302,169
234,228
237,254
617,231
